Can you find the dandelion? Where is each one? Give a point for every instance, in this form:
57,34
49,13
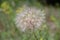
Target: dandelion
30,18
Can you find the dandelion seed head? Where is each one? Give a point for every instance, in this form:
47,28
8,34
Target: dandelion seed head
30,18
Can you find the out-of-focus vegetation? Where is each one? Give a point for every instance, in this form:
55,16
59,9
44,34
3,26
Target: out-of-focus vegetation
8,30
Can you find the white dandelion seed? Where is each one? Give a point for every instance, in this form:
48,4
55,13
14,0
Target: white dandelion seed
30,18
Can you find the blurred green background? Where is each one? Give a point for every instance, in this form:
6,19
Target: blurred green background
8,30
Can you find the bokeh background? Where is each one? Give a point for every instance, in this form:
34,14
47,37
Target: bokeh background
50,30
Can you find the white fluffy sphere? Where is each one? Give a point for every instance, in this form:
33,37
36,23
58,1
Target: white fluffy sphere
30,18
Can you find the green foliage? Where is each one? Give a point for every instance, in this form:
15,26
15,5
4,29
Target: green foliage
10,32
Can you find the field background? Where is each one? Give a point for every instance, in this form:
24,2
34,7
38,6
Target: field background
8,31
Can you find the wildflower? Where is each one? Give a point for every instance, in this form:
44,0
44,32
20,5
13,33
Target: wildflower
30,18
